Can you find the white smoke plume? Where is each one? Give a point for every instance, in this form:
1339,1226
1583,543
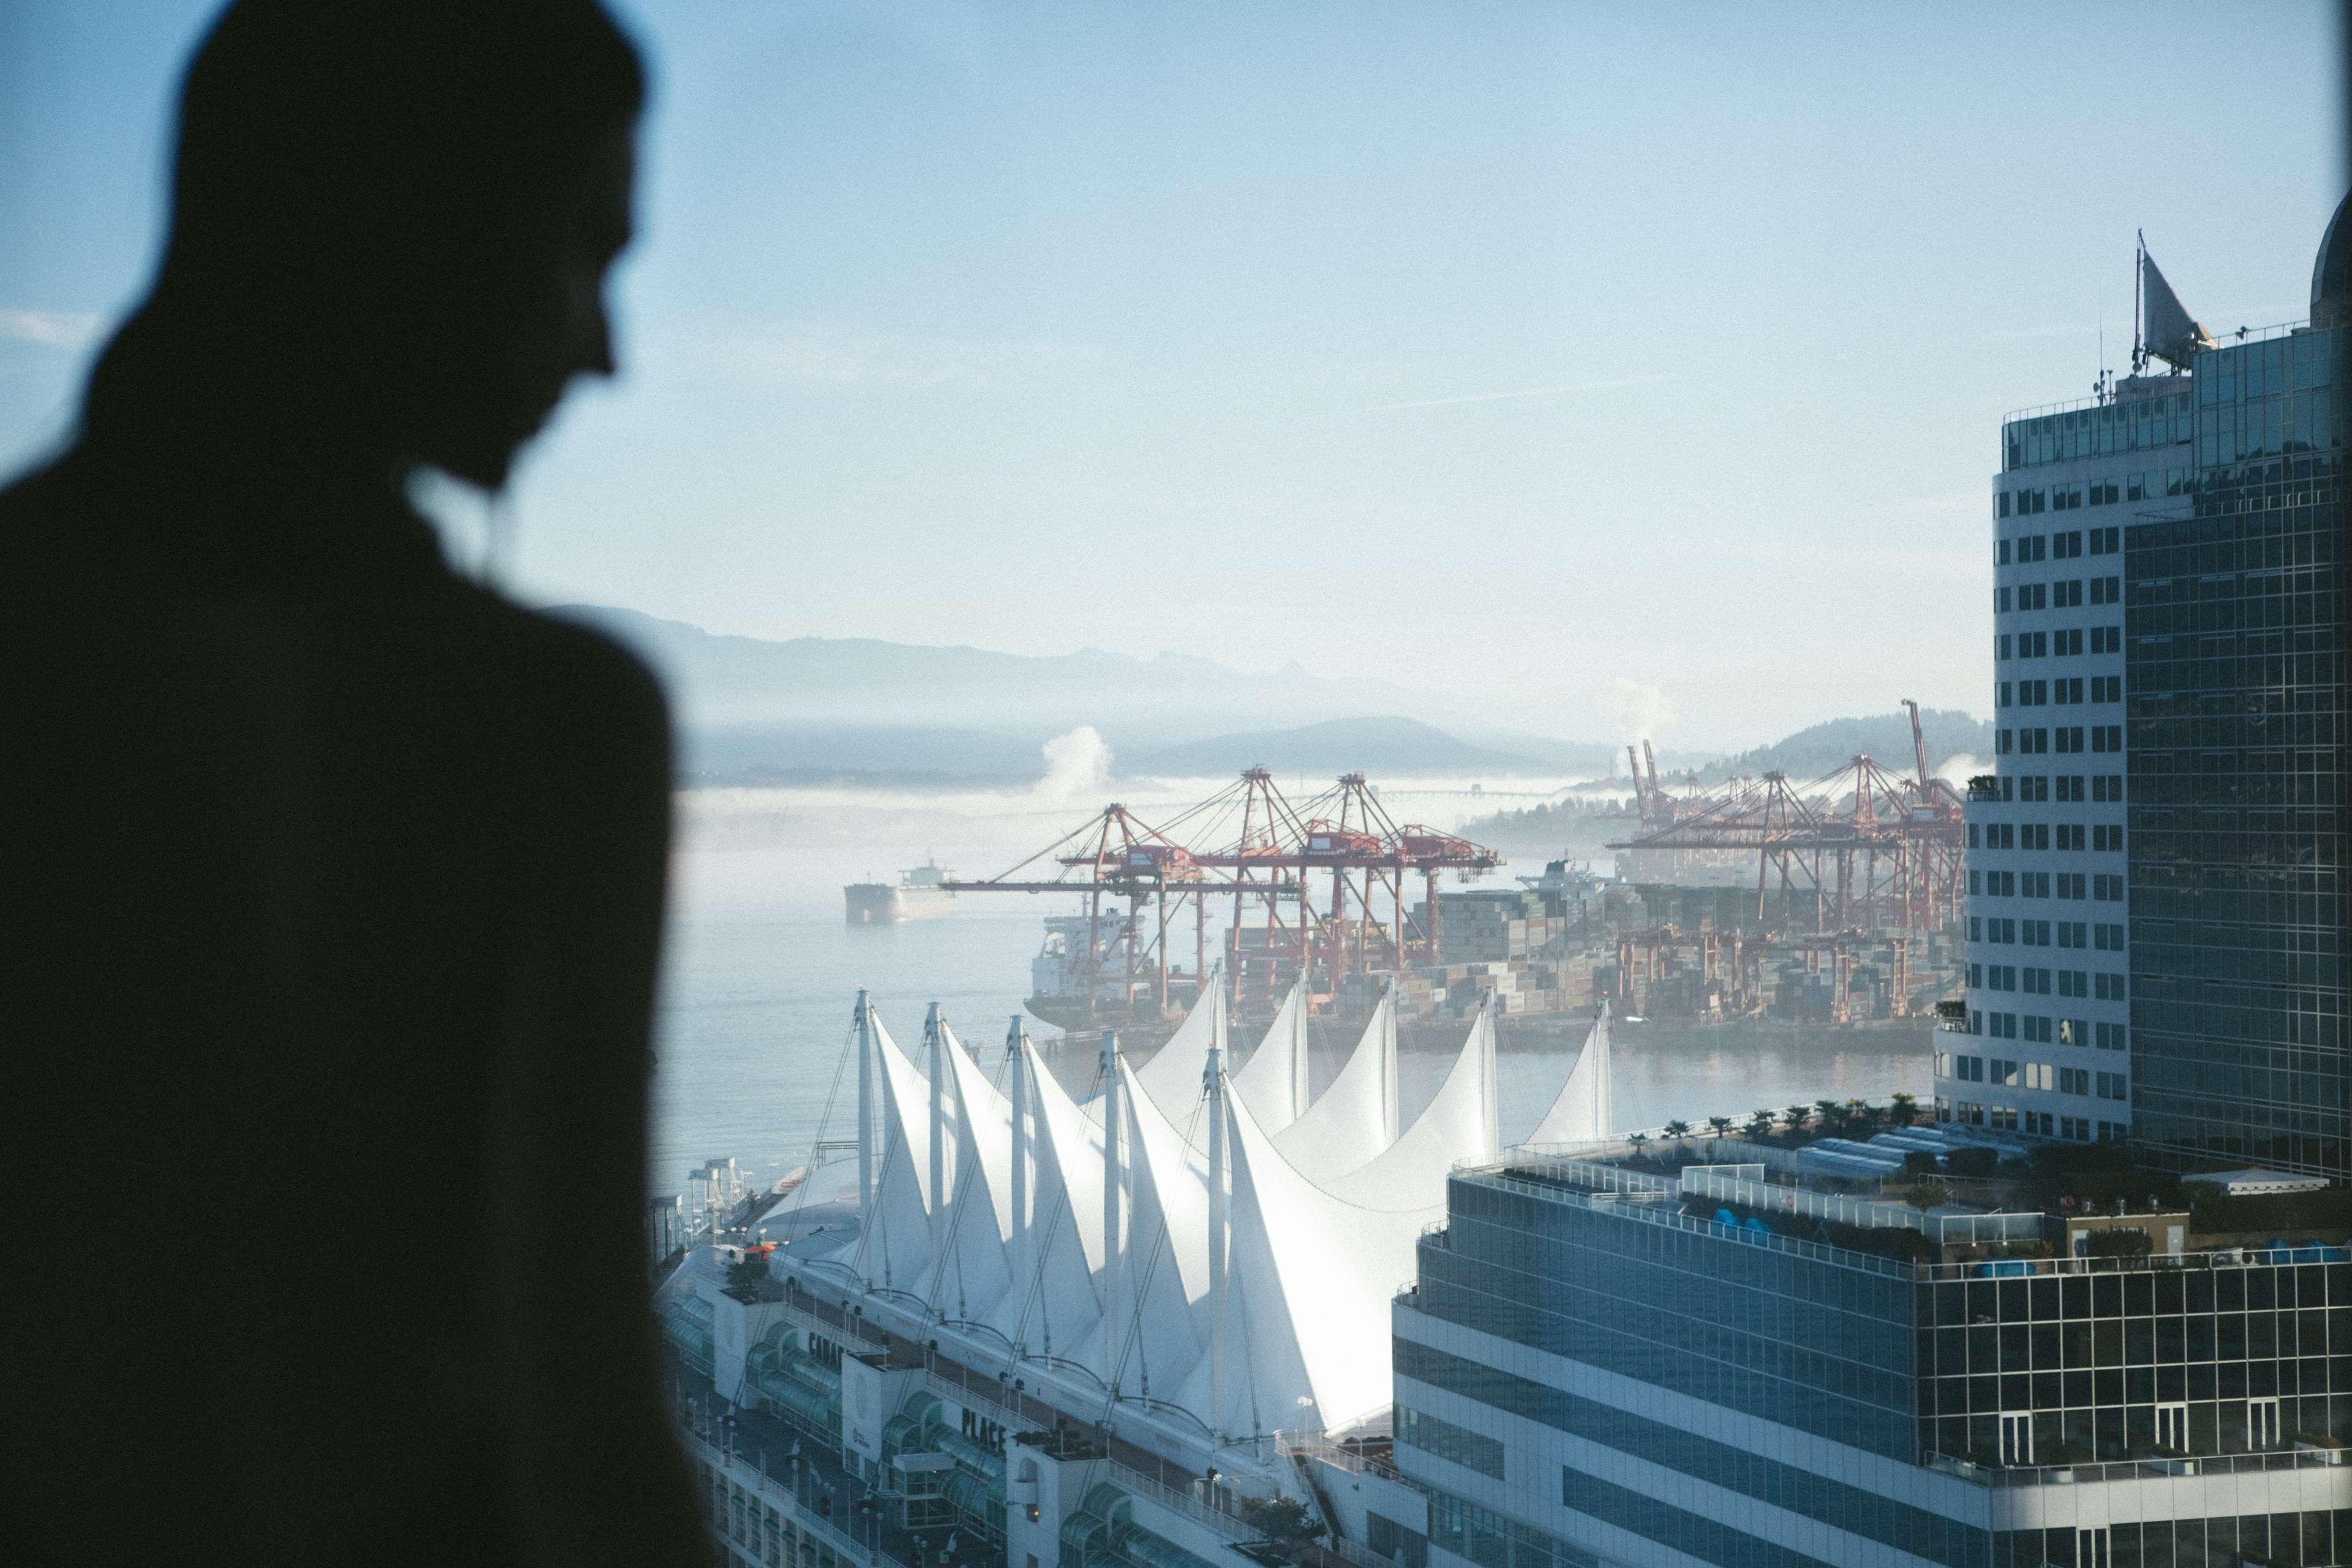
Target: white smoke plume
1637,712
1076,764
1958,771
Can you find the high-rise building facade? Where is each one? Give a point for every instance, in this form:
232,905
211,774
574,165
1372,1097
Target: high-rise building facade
2155,895
1602,1364
2047,1045
2235,736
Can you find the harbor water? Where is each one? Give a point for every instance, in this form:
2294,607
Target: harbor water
763,971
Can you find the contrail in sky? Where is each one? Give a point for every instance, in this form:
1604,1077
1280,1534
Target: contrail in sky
1526,392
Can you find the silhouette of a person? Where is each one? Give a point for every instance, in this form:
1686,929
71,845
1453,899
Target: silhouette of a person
333,880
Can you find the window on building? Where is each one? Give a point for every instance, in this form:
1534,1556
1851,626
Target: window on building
2262,1424
2172,1426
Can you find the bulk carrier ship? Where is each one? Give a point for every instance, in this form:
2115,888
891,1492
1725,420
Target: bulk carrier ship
920,894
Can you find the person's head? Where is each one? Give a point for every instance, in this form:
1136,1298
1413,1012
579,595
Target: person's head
391,223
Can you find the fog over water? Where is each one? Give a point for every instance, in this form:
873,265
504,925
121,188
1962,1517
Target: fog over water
761,971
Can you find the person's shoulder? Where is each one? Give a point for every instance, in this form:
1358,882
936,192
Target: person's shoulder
569,677
570,652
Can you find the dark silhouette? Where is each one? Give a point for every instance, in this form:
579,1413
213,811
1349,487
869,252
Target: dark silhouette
332,881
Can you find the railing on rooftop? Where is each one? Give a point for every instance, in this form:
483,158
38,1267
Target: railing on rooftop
1185,1503
1355,1461
1731,1183
2136,1469
1668,1214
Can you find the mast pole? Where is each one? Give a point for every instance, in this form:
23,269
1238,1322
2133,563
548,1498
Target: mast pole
1017,1084
1213,1085
864,1112
939,1066
1114,1272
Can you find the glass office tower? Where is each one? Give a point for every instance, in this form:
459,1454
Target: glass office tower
1602,1365
2235,738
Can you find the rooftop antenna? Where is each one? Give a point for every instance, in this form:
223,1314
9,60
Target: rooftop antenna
2139,269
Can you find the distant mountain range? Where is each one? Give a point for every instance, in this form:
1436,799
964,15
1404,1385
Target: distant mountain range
815,710
1376,746
1821,748
862,683
861,710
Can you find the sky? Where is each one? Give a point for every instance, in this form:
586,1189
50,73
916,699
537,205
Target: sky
1545,354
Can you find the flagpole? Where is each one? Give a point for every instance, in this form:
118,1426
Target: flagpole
2139,275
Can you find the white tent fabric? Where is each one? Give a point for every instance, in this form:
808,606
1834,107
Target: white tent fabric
1458,1123
895,1244
1310,1272
1274,1082
973,1272
1172,1077
1311,1276
1054,1308
1355,1120
1586,1110
1167,1289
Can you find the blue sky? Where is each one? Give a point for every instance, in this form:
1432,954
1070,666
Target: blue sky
1538,353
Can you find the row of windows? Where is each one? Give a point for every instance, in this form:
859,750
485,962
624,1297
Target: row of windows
2105,888
2064,643
2063,595
1495,1541
2045,1030
2098,984
2029,548
2038,1123
1418,1429
2065,690
2043,786
2183,1542
2067,642
1712,1541
2049,1077
1800,1490
2031,787
2095,837
2086,1344
2006,931
2063,739
2251,1286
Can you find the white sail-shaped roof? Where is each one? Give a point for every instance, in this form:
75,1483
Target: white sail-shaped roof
1585,1108
974,1271
1311,1259
1458,1123
1274,1082
1310,1278
1173,1075
1355,1120
1054,1308
895,1245
1168,1243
